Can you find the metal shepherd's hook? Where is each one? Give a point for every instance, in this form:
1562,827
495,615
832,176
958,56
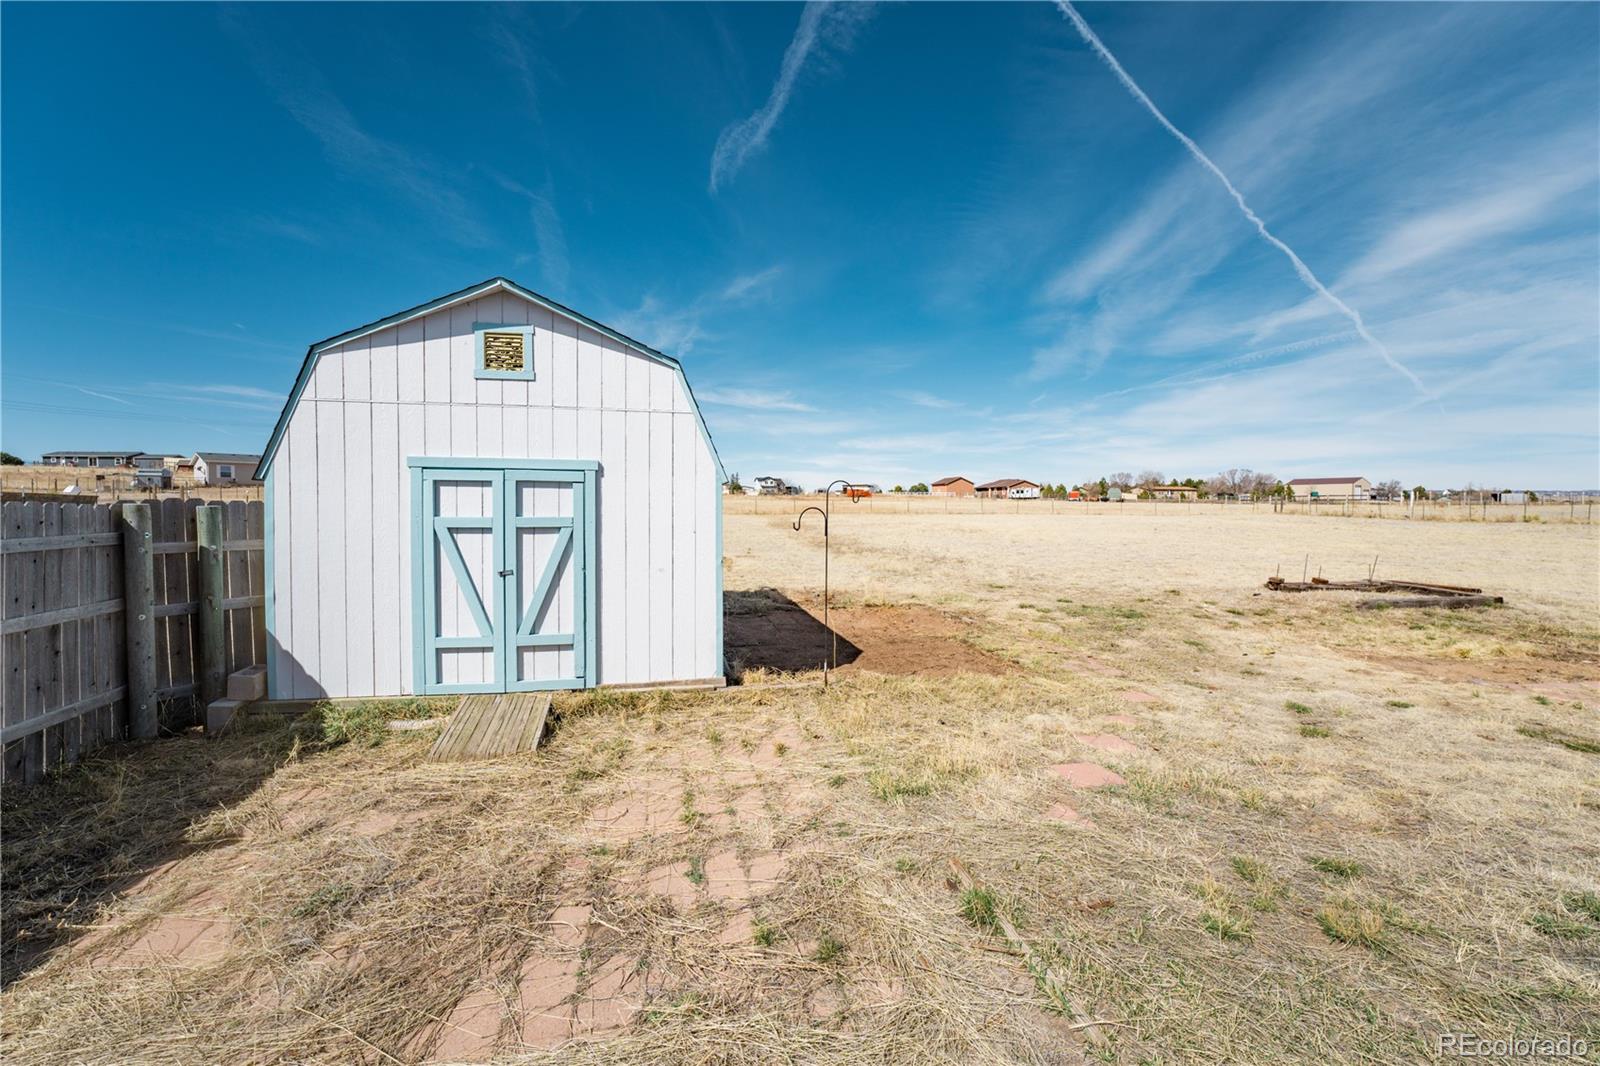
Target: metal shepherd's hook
827,500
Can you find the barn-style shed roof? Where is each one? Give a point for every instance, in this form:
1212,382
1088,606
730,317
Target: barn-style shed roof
471,292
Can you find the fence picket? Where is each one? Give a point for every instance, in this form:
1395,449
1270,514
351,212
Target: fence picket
12,646
36,649
255,570
211,619
237,583
114,665
71,635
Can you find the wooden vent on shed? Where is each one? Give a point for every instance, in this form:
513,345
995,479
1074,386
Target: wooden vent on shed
504,351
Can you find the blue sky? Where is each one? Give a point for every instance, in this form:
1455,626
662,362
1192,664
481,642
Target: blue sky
888,243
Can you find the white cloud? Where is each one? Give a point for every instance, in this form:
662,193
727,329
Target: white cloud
550,237
1513,203
247,391
302,91
927,399
752,399
671,330
824,26
678,329
101,395
747,285
1304,272
509,29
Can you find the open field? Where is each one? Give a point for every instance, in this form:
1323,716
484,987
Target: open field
1331,834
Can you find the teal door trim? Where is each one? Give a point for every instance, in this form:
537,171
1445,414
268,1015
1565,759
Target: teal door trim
433,536
503,628
574,544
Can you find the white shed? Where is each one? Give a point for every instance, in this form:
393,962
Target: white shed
490,493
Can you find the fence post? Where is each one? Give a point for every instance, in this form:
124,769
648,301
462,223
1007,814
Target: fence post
213,679
138,584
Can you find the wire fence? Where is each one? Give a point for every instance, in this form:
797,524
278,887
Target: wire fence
1579,510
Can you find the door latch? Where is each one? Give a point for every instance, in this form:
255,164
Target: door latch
507,573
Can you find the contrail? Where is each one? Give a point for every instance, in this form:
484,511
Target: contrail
824,26
1204,160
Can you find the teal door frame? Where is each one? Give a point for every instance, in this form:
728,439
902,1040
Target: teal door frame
499,631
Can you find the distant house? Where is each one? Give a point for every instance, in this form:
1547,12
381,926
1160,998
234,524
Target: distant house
89,458
1172,492
152,470
775,486
862,490
1009,488
225,468
1330,488
952,486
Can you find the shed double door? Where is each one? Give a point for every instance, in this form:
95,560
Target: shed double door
505,570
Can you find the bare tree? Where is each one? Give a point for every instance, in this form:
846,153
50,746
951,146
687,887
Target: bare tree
1151,477
1240,482
1225,483
1122,480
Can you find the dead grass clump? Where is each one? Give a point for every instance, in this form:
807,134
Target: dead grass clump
1577,919
1225,926
1568,740
367,721
893,785
1560,926
1329,864
1352,922
1583,903
981,908
1221,916
1267,889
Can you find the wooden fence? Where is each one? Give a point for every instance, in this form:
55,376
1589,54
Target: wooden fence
119,620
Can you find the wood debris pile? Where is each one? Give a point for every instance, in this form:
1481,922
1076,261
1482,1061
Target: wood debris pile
1431,595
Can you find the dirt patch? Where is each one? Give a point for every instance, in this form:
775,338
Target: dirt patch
765,629
1511,671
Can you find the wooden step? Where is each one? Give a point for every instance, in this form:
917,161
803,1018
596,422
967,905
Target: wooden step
490,725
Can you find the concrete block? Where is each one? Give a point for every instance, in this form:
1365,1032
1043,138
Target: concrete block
221,712
248,684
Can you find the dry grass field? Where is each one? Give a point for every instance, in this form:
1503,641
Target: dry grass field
1085,791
